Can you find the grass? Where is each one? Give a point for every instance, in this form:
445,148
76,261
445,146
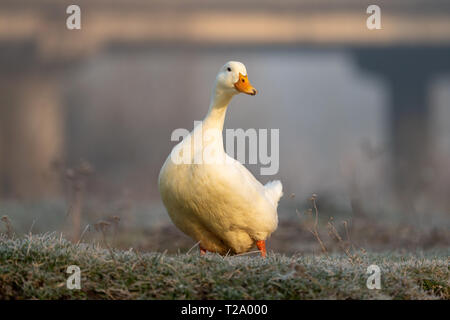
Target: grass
34,267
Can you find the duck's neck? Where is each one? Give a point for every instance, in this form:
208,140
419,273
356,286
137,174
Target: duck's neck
217,109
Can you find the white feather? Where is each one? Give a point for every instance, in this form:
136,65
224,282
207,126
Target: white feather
274,191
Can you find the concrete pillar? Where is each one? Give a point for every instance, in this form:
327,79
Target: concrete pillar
31,136
408,71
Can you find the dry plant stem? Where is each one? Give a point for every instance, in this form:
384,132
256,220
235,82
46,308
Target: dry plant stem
102,226
314,230
247,253
115,221
353,245
82,234
334,233
76,214
77,178
349,241
9,229
107,245
189,251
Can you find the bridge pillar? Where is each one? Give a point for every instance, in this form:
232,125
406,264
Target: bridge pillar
31,126
408,71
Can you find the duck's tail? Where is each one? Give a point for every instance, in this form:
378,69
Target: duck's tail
274,191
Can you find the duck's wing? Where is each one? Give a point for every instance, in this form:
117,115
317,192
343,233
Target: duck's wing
248,204
272,190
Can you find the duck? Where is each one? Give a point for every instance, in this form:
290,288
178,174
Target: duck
214,199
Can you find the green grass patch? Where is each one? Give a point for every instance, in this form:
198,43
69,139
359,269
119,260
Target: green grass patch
34,267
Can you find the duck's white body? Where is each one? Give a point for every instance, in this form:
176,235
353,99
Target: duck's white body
219,204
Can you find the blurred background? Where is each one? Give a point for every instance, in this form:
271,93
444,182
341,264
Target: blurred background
364,115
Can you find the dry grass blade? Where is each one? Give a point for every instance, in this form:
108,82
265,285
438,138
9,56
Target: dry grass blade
102,226
333,232
314,229
82,234
195,245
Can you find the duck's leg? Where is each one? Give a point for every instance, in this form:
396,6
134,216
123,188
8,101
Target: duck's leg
202,251
261,244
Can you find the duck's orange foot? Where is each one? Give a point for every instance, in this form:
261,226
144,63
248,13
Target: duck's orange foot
261,244
202,251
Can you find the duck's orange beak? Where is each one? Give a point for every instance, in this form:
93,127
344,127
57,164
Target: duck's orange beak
243,85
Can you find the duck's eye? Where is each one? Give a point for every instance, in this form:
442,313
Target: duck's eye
229,69
243,80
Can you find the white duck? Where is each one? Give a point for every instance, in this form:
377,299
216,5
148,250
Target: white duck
220,203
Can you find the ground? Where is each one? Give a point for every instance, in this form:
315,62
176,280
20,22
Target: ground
34,267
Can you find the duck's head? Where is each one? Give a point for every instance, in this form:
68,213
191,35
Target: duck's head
232,78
